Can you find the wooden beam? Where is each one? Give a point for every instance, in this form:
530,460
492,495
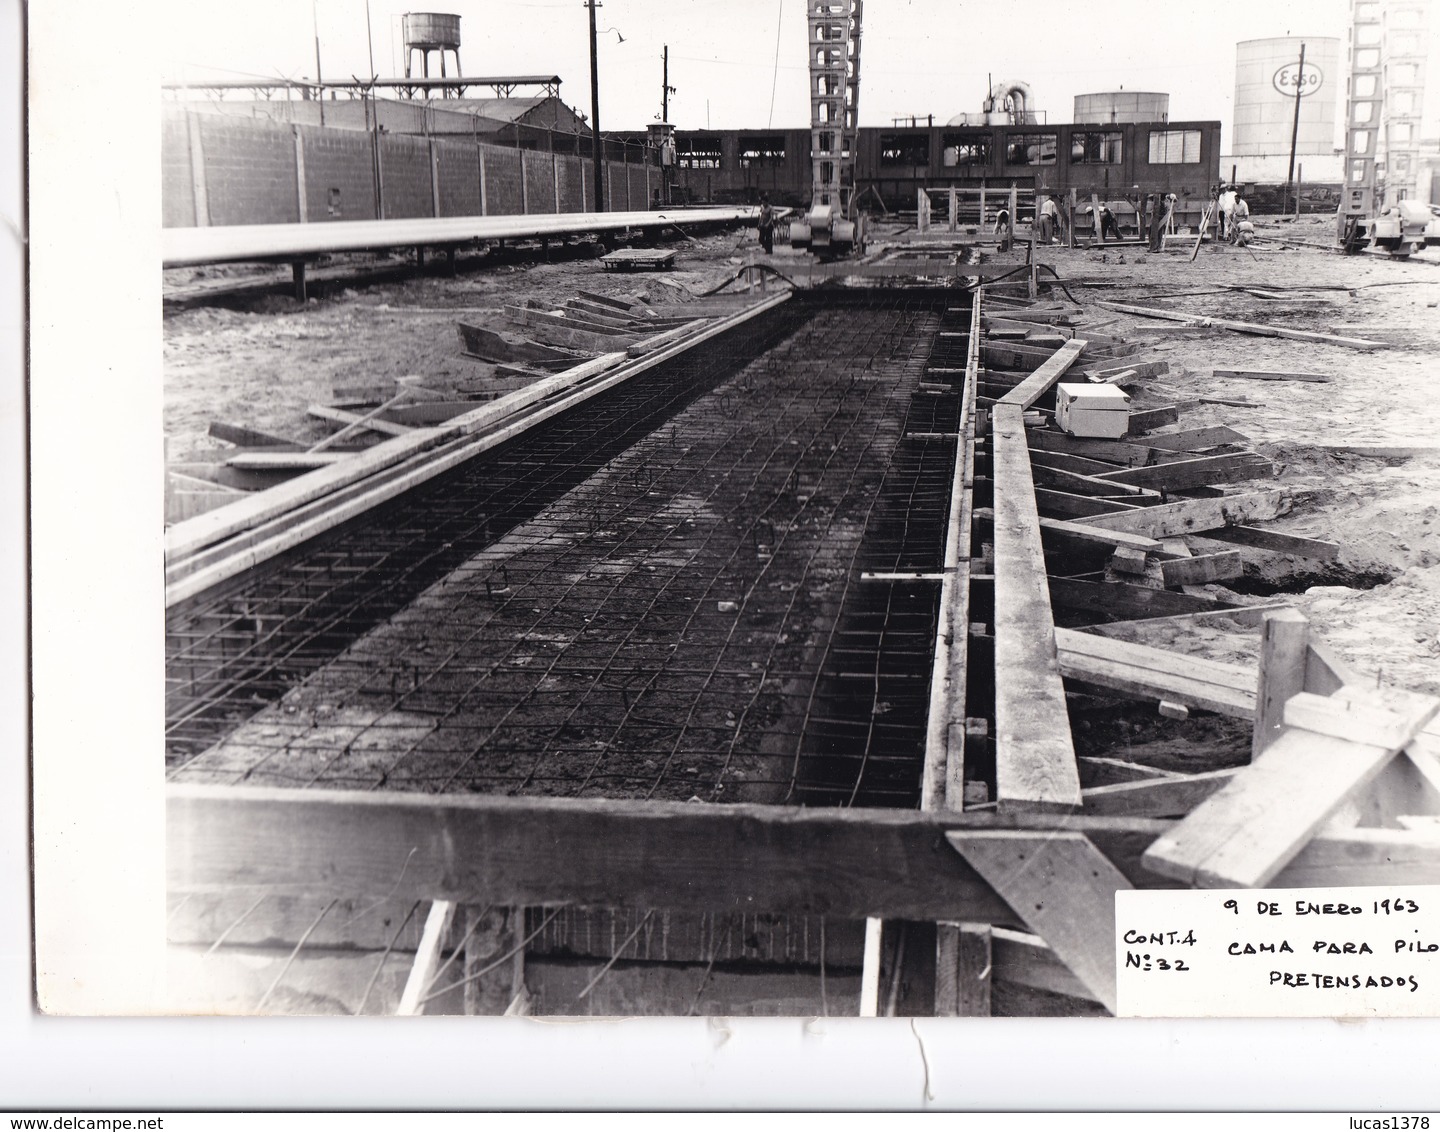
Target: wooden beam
401,847
1038,383
427,957
1194,516
1247,327
1244,835
1193,439
1035,758
243,437
1182,474
1279,542
1270,375
964,967
1126,602
1026,960
1068,503
370,422
1364,857
1171,796
1157,674
1088,533
1202,568
1063,888
1143,420
870,969
1284,641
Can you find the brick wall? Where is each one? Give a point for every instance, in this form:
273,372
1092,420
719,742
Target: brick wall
339,177
459,168
502,181
405,177
539,181
249,171
177,190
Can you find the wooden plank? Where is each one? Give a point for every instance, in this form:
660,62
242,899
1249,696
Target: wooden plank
1063,888
1026,960
1281,543
297,461
1247,327
490,935
1245,834
1248,615
490,346
1194,439
1143,420
1082,484
427,958
1040,381
1088,533
1183,474
1284,641
1157,674
870,969
964,966
1068,462
243,437
1170,796
345,417
1126,602
1202,568
1194,516
1364,857
1270,375
1068,504
1035,759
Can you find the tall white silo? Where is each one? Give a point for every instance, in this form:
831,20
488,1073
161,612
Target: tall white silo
1267,78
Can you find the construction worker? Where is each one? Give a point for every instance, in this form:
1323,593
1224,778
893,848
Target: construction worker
767,225
1049,220
1227,209
1108,224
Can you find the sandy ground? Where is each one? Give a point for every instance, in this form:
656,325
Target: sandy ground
1360,454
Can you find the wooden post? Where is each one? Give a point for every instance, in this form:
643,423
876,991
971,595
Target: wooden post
870,969
1284,648
300,175
484,197
427,957
434,178
954,210
1070,219
197,171
1095,218
524,185
297,271
922,211
963,965
982,207
1010,228
555,179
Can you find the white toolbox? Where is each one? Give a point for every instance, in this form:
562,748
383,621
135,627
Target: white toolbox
1092,410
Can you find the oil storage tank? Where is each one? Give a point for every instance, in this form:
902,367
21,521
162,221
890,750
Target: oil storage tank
1122,106
1267,77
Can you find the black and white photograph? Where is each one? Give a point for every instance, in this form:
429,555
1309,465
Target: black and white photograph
773,509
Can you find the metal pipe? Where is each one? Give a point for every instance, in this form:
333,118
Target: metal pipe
240,242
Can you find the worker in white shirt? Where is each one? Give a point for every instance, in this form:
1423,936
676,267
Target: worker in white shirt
1049,220
1227,209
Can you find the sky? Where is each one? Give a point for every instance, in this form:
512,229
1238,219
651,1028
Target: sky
741,63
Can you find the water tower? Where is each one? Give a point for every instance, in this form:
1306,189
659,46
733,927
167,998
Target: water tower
431,31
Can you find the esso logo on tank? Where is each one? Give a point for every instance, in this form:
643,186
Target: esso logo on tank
1288,77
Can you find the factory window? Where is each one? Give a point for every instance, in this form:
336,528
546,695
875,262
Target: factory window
1400,133
697,153
764,150
1361,112
1402,102
1404,43
1401,74
1363,86
1367,59
1097,147
1360,141
965,149
1030,149
1174,147
904,149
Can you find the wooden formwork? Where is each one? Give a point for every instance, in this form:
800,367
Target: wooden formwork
1020,887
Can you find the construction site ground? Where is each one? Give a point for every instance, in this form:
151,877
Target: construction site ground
1359,454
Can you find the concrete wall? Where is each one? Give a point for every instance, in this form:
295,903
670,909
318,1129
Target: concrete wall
256,171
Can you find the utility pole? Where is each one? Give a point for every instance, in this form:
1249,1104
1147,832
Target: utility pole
666,90
597,149
369,37
319,80
1295,128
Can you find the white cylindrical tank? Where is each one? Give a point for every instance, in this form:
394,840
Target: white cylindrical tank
1122,106
1267,74
431,30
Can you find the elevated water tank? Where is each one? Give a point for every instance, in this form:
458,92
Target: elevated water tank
1122,106
431,31
1267,75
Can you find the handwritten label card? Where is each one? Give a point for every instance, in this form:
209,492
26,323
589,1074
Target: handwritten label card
1278,953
